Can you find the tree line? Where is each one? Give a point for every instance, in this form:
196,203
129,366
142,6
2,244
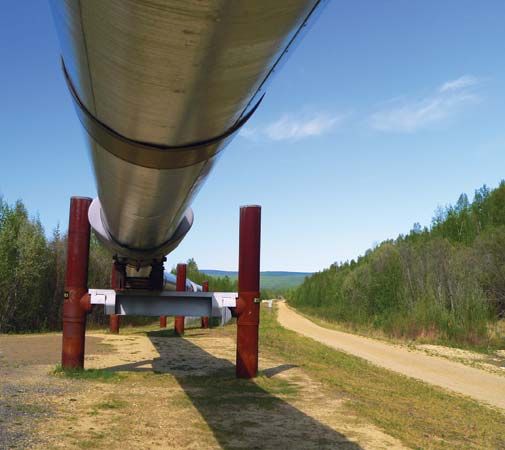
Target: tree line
32,274
216,284
445,282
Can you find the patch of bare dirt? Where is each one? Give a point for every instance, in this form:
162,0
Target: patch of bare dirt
26,389
494,363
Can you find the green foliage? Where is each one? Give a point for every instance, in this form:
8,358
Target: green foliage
228,281
216,284
32,275
444,283
271,281
26,272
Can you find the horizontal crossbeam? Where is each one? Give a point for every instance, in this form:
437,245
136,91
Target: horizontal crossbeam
164,303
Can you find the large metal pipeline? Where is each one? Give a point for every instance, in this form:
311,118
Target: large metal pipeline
161,86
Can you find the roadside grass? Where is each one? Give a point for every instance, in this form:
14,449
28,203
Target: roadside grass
495,341
420,415
87,374
497,332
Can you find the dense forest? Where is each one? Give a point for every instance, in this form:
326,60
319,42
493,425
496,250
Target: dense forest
441,283
32,274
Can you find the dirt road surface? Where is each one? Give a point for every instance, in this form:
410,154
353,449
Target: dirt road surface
478,384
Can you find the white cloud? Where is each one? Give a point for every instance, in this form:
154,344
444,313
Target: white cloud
248,132
459,83
295,127
408,116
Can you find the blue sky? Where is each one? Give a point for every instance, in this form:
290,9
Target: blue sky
386,110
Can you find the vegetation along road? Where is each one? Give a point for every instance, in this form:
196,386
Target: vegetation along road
476,383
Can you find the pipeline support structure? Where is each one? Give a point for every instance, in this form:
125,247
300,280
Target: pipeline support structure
77,297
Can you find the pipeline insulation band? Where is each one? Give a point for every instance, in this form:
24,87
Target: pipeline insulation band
147,154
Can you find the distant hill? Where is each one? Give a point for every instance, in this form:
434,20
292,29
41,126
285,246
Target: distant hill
275,280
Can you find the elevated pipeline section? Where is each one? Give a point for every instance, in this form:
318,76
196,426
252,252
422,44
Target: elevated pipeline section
161,87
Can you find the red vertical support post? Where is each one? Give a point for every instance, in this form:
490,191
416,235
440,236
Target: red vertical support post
163,321
76,280
205,320
248,307
180,285
114,322
117,282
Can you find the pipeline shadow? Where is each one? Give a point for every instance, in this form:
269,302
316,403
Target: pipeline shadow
240,413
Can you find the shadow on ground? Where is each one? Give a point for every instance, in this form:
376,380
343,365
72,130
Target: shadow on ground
240,413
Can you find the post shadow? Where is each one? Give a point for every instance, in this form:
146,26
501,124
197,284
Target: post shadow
240,413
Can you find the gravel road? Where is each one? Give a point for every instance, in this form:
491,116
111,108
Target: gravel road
478,384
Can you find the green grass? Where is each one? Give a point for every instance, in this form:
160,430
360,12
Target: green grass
112,404
30,409
420,415
277,386
87,374
92,441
